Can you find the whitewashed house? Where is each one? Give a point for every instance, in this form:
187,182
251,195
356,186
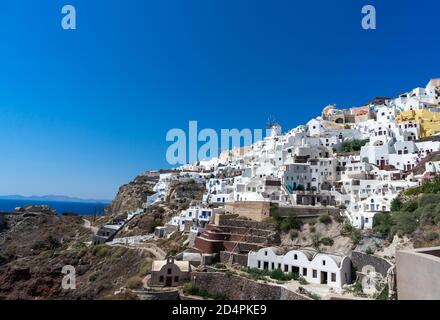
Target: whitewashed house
317,268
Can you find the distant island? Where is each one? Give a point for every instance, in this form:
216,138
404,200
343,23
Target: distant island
58,198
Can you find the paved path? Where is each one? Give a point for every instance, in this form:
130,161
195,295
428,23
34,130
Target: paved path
148,247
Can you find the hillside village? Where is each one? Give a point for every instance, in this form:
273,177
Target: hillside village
343,207
303,210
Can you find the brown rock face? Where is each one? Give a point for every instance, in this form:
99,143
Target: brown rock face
133,195
182,194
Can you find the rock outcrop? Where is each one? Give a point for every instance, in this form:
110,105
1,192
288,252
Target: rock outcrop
35,248
183,194
133,195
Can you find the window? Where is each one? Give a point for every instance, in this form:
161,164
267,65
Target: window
279,266
314,273
169,271
323,262
333,277
304,271
295,256
259,264
273,265
176,279
161,279
265,253
286,268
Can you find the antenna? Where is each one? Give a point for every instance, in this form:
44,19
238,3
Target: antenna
271,122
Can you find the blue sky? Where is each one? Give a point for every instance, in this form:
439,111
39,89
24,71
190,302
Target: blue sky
84,111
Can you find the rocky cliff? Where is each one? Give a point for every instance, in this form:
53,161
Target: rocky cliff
35,246
133,195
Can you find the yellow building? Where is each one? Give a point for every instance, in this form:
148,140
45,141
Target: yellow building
428,121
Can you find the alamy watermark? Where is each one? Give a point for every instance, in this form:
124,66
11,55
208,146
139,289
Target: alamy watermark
369,20
69,280
68,21
205,144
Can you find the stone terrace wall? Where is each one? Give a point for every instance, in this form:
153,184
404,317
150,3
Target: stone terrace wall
247,224
240,288
360,259
255,210
241,259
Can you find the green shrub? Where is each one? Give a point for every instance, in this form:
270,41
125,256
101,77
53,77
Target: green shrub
410,206
412,191
327,241
146,267
289,223
101,250
354,145
293,234
396,204
302,281
432,236
134,282
405,224
339,218
192,289
118,252
428,199
325,218
382,223
356,236
431,186
369,251
52,243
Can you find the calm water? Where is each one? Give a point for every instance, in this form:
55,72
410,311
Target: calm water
81,208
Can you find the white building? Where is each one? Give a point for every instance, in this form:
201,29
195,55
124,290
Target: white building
317,268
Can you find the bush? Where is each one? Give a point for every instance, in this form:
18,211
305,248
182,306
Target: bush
349,231
339,218
405,223
192,289
134,282
101,250
431,186
146,267
289,223
428,199
354,145
293,234
396,204
325,218
432,236
410,206
382,223
52,243
369,251
412,191
118,252
327,241
302,281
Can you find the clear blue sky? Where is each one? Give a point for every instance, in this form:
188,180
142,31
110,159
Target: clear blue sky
82,112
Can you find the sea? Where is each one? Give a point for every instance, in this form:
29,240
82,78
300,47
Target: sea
79,208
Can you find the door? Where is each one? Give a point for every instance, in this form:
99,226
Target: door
169,281
323,277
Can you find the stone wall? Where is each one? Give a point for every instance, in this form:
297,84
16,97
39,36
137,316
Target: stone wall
238,258
240,288
255,210
360,259
304,212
